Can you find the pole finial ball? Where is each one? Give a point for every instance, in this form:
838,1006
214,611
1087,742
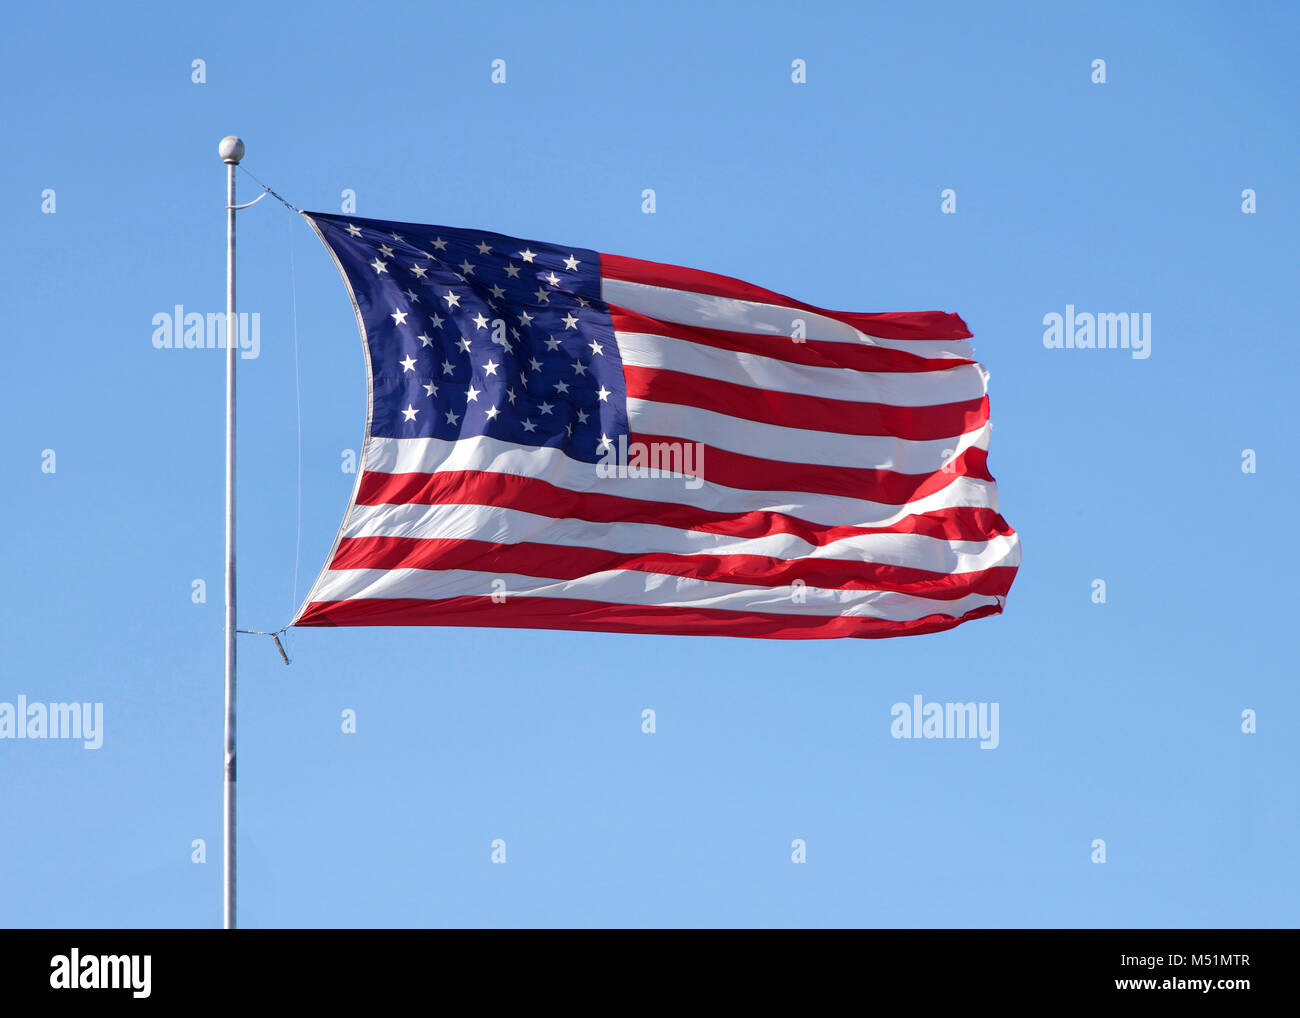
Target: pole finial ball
231,149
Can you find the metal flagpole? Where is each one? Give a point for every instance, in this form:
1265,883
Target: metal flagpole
231,150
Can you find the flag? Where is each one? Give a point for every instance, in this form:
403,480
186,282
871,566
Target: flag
558,438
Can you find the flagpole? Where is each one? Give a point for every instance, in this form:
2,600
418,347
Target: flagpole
231,150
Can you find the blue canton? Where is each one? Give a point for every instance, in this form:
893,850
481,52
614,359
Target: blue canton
474,333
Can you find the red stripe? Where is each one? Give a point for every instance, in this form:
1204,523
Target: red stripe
562,562
812,352
754,473
530,495
810,413
598,616
922,325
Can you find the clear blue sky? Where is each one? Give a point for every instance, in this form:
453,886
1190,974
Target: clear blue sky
1119,721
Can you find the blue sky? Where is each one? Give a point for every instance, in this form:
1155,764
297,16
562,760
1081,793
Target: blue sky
1119,721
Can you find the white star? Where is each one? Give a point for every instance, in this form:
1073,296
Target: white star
579,367
396,236
510,395
447,368
492,414
430,389
527,255
582,302
542,296
451,417
570,322
582,417
534,364
604,394
440,245
480,321
483,248
419,271
378,266
466,267
568,428
408,364
512,270
561,386
354,230
398,316
553,279
605,443
463,343
525,318
410,412
414,297
497,293
571,263
425,340
491,366
596,348
529,425
436,320
385,250
552,343
471,395
545,408
453,300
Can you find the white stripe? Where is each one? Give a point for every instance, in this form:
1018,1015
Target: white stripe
798,445
689,308
623,586
513,526
892,388
434,455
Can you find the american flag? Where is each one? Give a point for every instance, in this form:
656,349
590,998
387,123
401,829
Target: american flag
562,439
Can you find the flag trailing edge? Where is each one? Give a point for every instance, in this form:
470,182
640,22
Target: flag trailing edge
564,439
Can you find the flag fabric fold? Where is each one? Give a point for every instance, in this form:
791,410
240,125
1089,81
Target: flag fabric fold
563,439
